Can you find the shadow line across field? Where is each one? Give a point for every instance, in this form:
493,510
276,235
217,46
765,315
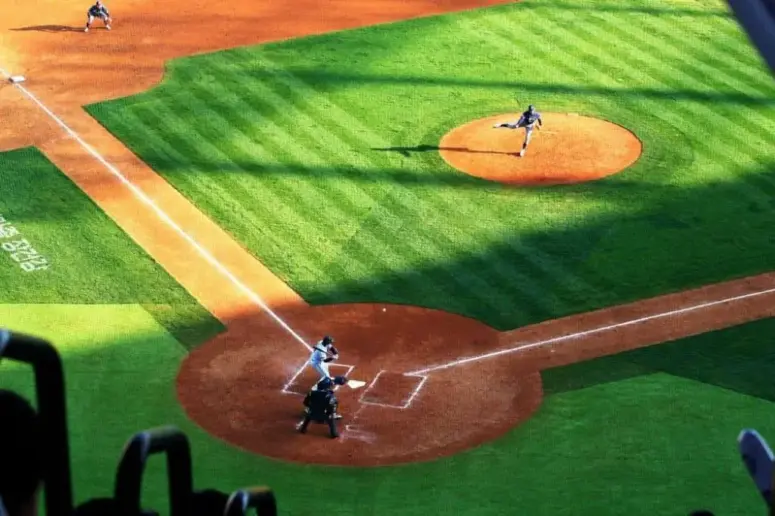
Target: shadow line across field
322,79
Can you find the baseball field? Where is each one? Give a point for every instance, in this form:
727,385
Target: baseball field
194,198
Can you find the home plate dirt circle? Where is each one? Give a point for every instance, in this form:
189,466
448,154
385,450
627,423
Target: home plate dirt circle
245,386
568,149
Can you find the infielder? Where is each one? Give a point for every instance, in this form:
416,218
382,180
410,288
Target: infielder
98,10
323,353
528,119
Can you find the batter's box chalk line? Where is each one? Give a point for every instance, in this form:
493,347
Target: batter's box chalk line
355,433
364,399
287,386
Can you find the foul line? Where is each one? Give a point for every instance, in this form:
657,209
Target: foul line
585,333
163,216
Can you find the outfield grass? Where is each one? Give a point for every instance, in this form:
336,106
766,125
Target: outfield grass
91,261
296,149
579,454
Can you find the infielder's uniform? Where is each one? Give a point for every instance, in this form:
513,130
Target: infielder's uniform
323,353
528,120
98,10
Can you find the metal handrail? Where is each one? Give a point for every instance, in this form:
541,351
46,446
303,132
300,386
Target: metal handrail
52,412
129,476
260,498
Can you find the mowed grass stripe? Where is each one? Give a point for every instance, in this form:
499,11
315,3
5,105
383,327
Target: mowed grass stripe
700,74
381,248
711,139
362,136
222,196
713,162
730,63
370,138
726,115
305,99
426,246
555,278
534,41
297,147
251,155
282,162
676,72
168,153
592,32
229,193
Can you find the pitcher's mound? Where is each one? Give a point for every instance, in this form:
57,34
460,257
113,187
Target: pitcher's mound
568,149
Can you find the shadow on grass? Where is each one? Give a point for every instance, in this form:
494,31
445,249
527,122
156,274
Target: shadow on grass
406,151
321,79
628,8
651,239
740,359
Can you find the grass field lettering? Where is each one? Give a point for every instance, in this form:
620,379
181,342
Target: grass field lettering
20,250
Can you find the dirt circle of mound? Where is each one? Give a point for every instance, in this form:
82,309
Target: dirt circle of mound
568,149
243,386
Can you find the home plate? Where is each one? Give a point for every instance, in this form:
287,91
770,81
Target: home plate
356,384
16,78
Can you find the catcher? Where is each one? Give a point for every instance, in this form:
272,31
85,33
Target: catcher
323,353
98,10
322,406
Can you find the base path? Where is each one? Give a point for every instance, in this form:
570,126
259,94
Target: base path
568,149
231,387
423,366
245,386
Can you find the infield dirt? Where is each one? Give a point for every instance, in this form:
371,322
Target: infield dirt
231,385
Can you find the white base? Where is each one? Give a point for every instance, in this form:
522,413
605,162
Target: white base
17,78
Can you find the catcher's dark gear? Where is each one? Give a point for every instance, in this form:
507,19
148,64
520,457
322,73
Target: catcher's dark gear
321,408
323,385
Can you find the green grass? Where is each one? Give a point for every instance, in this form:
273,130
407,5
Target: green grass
293,148
91,261
581,454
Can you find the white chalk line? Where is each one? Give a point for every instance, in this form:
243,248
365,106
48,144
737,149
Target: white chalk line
290,382
586,333
347,428
363,400
416,390
162,215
